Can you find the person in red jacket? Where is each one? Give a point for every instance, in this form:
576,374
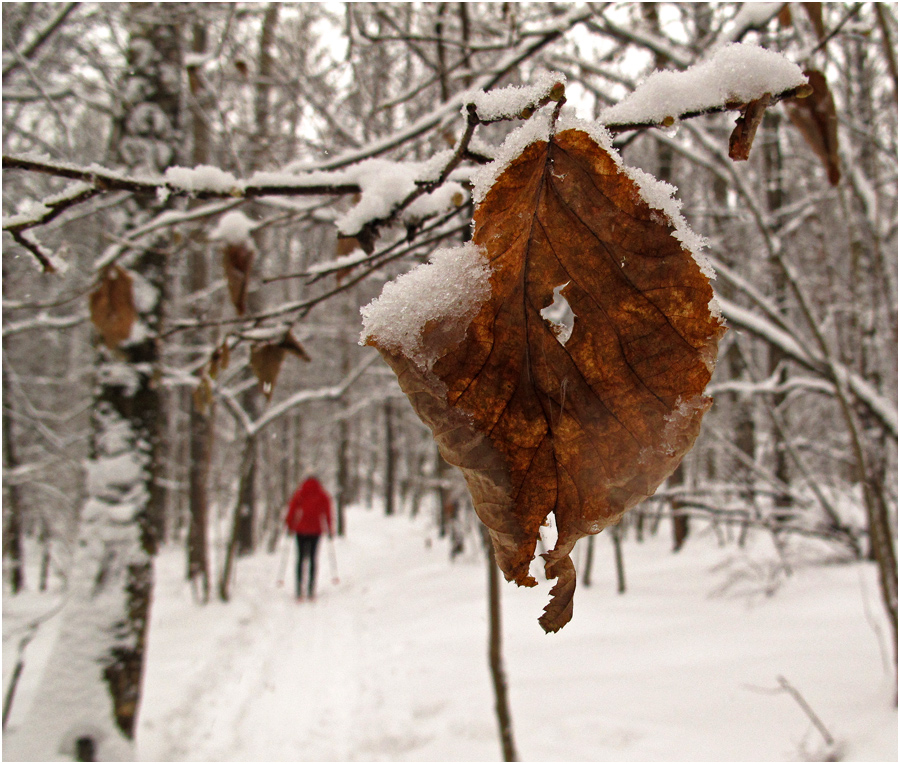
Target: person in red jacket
308,517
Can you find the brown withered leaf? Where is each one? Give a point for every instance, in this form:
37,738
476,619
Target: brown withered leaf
219,360
203,395
587,426
814,11
266,358
816,118
344,246
237,258
290,343
785,19
741,139
112,306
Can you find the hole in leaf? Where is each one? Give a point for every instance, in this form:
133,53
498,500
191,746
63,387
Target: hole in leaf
559,316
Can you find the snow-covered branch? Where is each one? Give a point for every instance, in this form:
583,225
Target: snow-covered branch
253,427
731,79
882,408
42,322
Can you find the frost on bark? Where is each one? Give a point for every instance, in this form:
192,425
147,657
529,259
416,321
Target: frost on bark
89,694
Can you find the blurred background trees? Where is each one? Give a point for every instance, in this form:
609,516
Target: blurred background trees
801,442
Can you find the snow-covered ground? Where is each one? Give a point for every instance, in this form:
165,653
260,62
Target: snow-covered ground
390,663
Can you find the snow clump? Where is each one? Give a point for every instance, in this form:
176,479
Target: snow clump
202,178
449,289
738,72
233,228
509,102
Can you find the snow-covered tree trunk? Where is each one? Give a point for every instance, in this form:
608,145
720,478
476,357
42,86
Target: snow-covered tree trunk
87,703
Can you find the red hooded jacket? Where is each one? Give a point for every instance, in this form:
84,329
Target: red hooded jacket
309,512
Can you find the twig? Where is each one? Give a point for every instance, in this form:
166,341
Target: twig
40,38
850,14
807,709
105,180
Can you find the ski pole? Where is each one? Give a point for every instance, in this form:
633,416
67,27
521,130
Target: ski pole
332,556
285,553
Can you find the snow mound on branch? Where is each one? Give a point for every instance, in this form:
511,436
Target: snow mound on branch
450,289
202,178
737,72
384,184
509,102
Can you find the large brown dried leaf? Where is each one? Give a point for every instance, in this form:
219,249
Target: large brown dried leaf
112,306
588,428
815,117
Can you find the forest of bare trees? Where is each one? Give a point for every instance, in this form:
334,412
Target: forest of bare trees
181,346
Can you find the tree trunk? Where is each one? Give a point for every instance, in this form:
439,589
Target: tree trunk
390,460
680,525
93,674
773,163
616,532
200,424
13,526
343,479
495,653
248,465
588,561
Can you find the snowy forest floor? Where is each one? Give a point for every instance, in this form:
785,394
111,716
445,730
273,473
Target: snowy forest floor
390,663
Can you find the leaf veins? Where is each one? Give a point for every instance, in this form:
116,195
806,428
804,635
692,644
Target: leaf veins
583,427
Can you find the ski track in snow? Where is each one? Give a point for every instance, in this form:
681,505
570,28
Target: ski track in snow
299,681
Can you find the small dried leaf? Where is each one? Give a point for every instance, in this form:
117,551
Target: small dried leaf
784,16
345,245
112,306
745,128
237,260
265,360
814,11
557,92
203,395
291,345
816,118
219,360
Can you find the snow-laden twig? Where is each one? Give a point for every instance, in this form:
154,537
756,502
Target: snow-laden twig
15,59
530,44
882,408
253,427
731,79
42,322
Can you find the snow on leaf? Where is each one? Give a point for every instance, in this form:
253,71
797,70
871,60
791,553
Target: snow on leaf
583,428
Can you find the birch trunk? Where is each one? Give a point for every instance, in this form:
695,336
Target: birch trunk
87,701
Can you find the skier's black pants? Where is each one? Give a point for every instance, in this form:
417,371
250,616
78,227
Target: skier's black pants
306,549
